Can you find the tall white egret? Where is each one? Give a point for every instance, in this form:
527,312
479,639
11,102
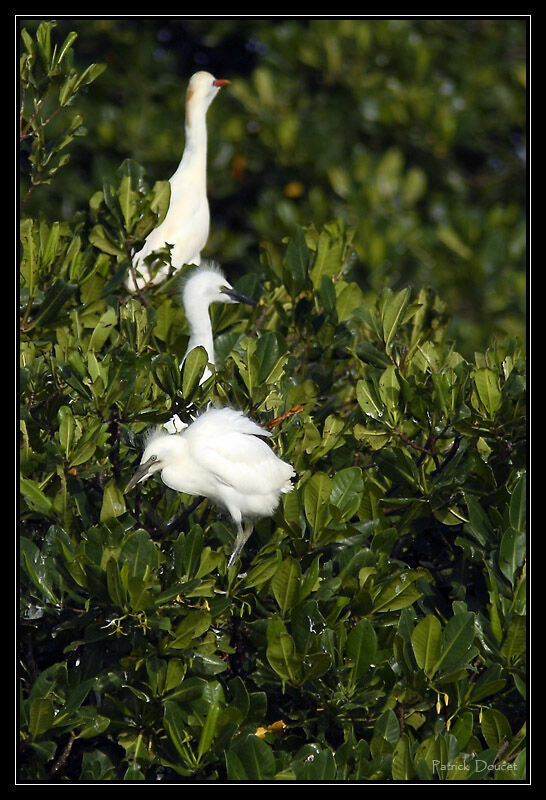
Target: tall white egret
220,456
186,224
204,286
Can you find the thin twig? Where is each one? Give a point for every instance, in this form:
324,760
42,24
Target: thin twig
23,134
61,761
424,450
187,511
26,135
259,322
277,421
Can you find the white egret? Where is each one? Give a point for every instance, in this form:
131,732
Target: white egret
204,286
220,456
186,225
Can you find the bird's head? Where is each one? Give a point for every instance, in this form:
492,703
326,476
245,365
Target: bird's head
208,285
161,450
202,89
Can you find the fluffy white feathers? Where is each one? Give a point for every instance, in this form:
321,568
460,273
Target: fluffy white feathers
221,456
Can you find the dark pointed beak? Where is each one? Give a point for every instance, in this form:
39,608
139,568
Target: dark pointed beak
221,82
141,473
237,297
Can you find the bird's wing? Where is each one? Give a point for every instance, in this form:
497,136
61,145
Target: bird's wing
216,422
235,455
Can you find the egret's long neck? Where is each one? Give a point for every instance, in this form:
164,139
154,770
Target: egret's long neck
194,158
197,314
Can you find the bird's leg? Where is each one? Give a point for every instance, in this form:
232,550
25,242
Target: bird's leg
240,540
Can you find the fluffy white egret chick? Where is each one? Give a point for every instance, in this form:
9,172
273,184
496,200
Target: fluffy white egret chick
186,224
221,456
204,286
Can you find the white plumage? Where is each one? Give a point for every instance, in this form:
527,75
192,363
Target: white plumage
186,224
204,286
221,457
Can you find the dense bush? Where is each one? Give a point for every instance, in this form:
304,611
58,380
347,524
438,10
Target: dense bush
377,631
411,131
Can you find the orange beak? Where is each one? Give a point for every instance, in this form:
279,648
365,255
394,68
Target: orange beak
221,82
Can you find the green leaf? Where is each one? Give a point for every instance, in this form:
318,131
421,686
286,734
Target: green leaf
387,727
511,553
462,730
234,767
361,648
398,466
457,640
487,384
43,39
316,494
34,496
402,762
103,329
195,624
327,294
194,366
346,494
368,400
188,551
40,570
174,722
90,74
286,584
128,201
487,684
161,200
55,298
495,727
113,502
426,643
65,47
42,716
101,239
515,639
480,524
253,758
322,767
113,582
296,263
282,656
399,592
261,573
518,505
269,348
208,731
389,391
391,316
134,773
139,554
316,665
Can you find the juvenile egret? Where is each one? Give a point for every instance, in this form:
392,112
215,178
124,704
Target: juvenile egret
186,225
220,456
204,286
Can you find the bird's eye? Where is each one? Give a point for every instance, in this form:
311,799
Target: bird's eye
153,458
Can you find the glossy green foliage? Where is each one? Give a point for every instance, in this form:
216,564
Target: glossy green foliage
376,627
411,131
